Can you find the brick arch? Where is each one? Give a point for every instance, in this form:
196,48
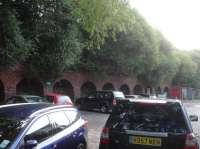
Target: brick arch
65,87
108,86
2,91
138,89
87,88
30,86
125,89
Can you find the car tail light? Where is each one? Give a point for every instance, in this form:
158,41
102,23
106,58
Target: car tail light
105,136
114,102
191,142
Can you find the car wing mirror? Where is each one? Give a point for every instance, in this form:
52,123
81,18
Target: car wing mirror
193,118
30,144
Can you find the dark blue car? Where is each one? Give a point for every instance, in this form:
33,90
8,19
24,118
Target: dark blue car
41,126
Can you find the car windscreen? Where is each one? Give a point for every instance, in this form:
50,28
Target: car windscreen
149,117
119,95
9,129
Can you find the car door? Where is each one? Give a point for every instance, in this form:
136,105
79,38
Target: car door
50,132
62,135
39,131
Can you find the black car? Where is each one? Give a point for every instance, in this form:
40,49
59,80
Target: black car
101,100
149,124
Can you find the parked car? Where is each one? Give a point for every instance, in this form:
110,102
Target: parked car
58,99
149,124
41,126
101,100
24,99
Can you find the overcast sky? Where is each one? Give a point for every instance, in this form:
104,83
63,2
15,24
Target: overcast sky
178,20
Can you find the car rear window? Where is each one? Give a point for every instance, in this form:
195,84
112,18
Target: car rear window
167,117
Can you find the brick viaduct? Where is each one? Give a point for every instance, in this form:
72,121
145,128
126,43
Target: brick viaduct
74,84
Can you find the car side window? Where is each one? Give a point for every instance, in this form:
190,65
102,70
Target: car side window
72,115
40,130
59,121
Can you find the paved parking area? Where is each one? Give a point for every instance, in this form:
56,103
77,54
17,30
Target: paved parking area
96,122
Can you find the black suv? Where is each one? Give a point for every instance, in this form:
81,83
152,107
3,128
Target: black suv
149,124
101,100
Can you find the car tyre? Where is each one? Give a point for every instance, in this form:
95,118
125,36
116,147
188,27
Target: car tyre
104,109
81,146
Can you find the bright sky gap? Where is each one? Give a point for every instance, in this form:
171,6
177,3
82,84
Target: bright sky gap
178,20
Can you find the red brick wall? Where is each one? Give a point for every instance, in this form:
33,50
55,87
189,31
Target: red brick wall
11,78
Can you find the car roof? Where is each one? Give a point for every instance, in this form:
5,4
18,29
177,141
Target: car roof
25,96
158,100
28,110
54,94
108,91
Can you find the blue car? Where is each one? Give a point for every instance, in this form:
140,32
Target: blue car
41,126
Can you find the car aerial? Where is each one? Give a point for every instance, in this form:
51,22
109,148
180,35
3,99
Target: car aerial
58,99
24,99
149,124
101,100
41,126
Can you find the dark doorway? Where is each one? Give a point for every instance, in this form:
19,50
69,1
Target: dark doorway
166,90
138,89
158,90
108,86
87,88
64,87
125,89
30,87
2,92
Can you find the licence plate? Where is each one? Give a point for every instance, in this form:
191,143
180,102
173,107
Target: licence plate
145,141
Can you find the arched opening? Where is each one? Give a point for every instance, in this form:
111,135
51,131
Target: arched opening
64,87
30,87
108,86
166,90
138,89
158,90
87,88
148,90
125,89
2,91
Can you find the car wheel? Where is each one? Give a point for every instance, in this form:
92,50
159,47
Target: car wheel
103,109
81,146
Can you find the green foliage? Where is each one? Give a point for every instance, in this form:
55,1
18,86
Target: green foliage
57,40
102,18
186,69
14,47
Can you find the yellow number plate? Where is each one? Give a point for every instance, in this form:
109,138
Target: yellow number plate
146,141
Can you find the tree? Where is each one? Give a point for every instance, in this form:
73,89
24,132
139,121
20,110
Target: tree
57,40
101,18
186,69
14,47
